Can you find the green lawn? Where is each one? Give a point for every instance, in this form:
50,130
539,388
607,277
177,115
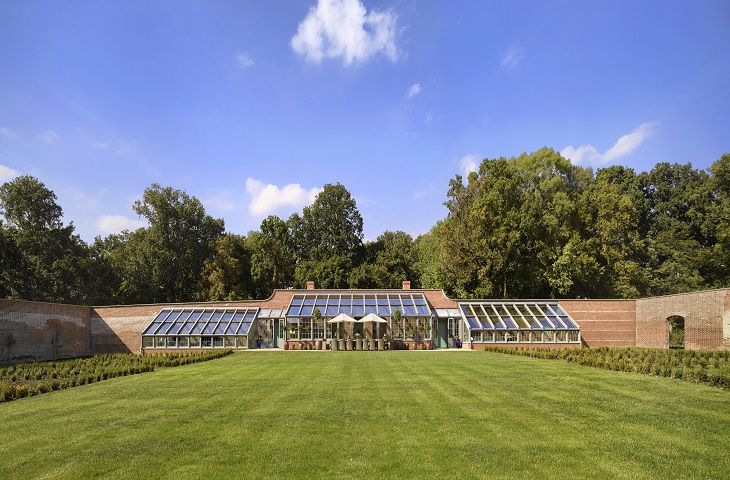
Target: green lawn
371,414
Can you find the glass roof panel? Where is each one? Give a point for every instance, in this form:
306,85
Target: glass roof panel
515,315
359,304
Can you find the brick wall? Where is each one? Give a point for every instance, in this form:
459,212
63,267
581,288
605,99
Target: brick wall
604,322
42,331
706,319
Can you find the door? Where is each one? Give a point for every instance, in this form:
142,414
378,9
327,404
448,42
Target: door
277,328
442,334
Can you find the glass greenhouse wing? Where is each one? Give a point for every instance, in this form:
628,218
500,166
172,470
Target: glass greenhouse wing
202,321
540,316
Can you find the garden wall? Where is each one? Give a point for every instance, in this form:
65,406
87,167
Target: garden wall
42,331
706,319
609,323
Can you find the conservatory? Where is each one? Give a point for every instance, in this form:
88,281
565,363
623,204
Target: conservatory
518,322
200,328
404,317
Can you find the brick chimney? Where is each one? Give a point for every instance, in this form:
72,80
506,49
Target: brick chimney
310,284
406,284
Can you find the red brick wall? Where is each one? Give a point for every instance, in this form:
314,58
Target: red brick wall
604,322
706,319
32,331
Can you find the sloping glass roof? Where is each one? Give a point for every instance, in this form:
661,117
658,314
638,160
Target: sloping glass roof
487,315
202,321
358,305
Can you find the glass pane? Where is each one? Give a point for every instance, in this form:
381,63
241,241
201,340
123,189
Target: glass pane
250,315
307,310
420,300
423,310
568,323
296,301
331,311
409,310
233,328
309,301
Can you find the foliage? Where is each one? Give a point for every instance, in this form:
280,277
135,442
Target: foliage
27,379
225,273
42,259
528,226
711,367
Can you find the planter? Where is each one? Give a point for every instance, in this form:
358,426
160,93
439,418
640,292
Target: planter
286,345
372,344
333,344
348,345
340,344
381,344
318,344
358,344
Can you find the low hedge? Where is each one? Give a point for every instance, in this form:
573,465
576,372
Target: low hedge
710,367
27,379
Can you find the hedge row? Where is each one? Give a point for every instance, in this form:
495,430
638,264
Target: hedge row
27,379
711,367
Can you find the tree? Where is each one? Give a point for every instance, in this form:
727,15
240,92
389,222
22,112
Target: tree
272,256
227,274
509,226
678,226
390,259
330,227
164,262
47,261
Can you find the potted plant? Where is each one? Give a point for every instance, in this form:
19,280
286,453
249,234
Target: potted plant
317,314
358,341
394,321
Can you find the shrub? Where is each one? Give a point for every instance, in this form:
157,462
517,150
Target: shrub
711,367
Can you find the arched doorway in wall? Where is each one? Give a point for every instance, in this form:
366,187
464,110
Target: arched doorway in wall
676,331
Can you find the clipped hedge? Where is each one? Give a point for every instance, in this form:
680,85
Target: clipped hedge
27,379
710,367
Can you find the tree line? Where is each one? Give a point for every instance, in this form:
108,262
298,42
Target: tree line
531,226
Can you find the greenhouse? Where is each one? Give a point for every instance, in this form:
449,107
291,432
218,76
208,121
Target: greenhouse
367,317
314,319
519,322
200,328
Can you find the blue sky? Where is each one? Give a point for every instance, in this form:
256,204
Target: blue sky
252,106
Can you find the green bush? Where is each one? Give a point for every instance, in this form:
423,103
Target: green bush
26,379
710,367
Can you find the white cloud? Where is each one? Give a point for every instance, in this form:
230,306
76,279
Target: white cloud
244,60
7,173
49,136
117,223
588,154
469,163
345,29
413,90
267,198
513,57
6,132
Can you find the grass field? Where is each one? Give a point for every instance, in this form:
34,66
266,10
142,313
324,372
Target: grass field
371,414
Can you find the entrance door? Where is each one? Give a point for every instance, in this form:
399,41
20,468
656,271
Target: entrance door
442,334
277,329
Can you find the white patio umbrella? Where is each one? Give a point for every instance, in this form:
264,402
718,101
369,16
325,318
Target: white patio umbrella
341,318
371,317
